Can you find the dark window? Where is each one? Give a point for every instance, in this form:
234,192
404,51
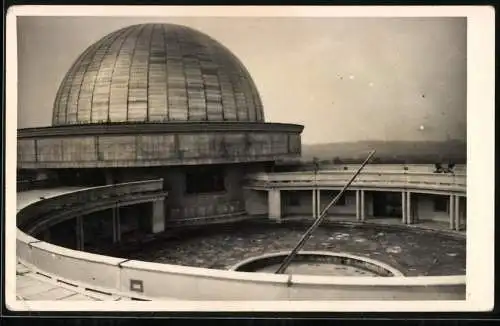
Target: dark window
440,204
293,198
331,196
341,201
205,180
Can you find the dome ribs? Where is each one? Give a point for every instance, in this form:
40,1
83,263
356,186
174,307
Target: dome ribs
131,74
115,63
75,82
137,100
241,103
213,92
83,111
148,72
259,110
99,111
157,73
247,91
177,88
118,93
194,82
61,100
227,89
157,78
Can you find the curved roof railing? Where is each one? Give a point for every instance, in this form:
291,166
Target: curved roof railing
148,281
419,181
54,210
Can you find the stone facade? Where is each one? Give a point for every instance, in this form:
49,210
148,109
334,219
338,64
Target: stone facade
166,149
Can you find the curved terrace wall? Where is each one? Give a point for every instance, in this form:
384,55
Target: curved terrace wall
377,180
141,279
47,212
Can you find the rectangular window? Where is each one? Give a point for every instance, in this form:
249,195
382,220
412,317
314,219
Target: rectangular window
205,180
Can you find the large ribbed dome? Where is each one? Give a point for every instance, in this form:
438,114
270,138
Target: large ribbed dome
156,73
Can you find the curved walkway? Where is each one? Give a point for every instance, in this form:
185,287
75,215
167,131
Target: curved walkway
32,285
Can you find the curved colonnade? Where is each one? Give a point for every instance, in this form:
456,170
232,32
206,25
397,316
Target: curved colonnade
412,185
139,280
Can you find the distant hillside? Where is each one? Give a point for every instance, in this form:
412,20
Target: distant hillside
389,152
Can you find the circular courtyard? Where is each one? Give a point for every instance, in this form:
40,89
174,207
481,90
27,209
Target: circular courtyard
413,252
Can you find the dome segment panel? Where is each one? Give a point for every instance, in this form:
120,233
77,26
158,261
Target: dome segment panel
157,73
100,86
117,104
79,106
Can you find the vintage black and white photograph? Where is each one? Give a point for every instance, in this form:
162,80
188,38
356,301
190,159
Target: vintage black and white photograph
249,159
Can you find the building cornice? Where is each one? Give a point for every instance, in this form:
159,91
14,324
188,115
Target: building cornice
153,128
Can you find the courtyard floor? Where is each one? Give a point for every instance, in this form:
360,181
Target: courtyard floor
412,251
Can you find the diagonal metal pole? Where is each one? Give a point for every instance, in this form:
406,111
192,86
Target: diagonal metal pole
286,262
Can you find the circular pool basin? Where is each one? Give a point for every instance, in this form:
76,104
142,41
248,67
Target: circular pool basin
318,263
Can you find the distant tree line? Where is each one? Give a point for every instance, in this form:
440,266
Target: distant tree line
442,165
434,159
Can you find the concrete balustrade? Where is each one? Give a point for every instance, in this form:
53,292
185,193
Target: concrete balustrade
90,195
423,168
309,287
157,281
42,223
192,283
161,281
387,176
396,180
77,266
86,201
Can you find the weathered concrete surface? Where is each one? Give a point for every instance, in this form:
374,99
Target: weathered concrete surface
29,197
412,251
32,286
319,269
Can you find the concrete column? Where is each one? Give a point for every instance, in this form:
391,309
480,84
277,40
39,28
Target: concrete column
158,216
318,203
409,215
274,202
404,203
80,236
358,205
314,204
462,212
362,205
116,225
414,208
457,213
451,212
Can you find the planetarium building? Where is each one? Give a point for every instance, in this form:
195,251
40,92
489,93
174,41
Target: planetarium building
159,129
160,101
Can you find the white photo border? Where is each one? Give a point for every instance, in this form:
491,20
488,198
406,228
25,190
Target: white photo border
480,155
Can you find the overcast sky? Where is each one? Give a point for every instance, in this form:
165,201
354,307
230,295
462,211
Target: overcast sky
345,79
